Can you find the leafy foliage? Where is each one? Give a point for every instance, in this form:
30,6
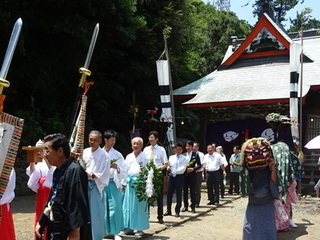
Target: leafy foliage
140,184
278,7
304,21
53,45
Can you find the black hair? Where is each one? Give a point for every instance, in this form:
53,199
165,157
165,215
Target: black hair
58,140
154,133
190,143
109,134
237,147
179,144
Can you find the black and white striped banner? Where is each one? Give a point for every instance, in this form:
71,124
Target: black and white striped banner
163,80
295,51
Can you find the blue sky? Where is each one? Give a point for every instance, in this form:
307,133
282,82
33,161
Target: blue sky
244,11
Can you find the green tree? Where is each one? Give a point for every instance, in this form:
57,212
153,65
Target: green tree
53,45
278,7
303,21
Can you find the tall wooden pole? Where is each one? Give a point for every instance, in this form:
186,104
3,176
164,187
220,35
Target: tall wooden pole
300,111
301,81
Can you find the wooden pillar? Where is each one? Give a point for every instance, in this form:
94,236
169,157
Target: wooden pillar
203,129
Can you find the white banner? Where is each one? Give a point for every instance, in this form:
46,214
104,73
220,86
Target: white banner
295,51
6,132
163,80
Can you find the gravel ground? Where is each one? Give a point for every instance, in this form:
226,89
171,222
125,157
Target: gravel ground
23,214
225,223
219,223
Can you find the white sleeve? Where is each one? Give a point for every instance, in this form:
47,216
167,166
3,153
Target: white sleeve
49,177
102,169
8,194
126,165
224,160
119,177
33,182
164,154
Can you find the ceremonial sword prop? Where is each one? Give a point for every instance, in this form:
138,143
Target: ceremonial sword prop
10,126
77,135
9,54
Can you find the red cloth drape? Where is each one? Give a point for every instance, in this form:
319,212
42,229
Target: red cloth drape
41,199
6,225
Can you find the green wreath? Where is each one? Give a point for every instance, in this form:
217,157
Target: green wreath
140,184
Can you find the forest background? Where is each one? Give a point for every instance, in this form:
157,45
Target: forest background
53,45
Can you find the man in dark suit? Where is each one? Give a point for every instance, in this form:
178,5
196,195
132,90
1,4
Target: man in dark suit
194,164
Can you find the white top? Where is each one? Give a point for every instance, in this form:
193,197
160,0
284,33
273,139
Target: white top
188,155
212,162
224,160
98,163
160,155
201,156
133,163
120,174
8,194
41,169
178,162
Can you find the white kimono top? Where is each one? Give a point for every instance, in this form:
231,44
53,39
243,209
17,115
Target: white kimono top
133,163
97,163
119,174
41,169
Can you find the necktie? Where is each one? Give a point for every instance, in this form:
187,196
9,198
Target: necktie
151,153
175,167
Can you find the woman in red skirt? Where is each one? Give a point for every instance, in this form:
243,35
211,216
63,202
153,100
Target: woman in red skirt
40,181
6,222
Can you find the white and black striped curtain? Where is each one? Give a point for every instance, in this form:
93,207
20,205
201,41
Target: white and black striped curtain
295,51
163,80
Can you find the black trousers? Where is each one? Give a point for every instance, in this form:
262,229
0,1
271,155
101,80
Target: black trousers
175,183
213,180
234,180
198,187
222,188
160,200
189,183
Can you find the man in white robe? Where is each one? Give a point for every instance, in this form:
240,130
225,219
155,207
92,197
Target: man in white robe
136,213
113,193
97,165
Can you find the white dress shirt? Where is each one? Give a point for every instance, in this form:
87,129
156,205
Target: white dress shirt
188,155
224,160
212,162
201,156
178,163
160,155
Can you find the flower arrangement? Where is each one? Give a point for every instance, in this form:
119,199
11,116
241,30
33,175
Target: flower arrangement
148,183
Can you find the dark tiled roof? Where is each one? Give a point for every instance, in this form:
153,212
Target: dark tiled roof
251,79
